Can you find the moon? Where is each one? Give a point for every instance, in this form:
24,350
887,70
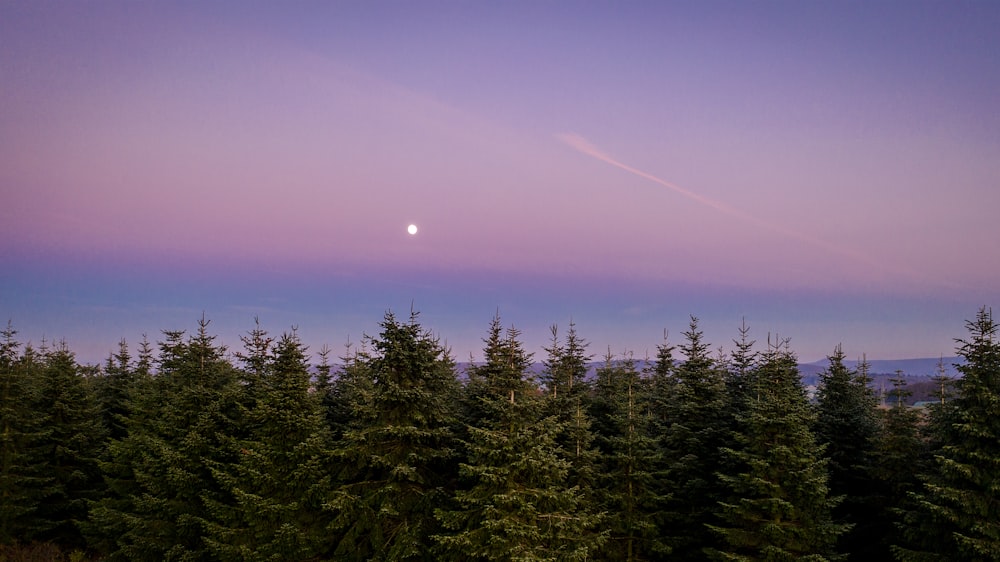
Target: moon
412,229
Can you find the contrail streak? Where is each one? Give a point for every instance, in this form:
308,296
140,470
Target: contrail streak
582,145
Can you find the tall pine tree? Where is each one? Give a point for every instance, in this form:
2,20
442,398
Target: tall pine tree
695,430
21,474
778,506
395,464
516,503
568,399
897,457
70,448
961,494
159,474
847,426
272,509
627,490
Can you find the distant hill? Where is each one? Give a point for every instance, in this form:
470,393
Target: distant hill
879,369
910,367
917,372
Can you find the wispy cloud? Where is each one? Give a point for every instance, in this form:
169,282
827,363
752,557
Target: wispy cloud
582,145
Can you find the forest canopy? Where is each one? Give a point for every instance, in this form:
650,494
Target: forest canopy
183,449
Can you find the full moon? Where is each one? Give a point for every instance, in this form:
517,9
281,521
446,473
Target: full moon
412,229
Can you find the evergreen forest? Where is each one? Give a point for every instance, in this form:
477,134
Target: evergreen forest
184,450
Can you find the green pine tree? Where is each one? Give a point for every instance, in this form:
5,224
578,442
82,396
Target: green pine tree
278,483
661,383
696,429
21,464
627,487
516,503
944,385
778,507
897,456
742,368
113,391
567,398
70,448
327,392
394,466
961,493
847,426
347,396
159,475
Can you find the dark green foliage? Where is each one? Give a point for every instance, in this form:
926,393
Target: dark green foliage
778,507
69,448
516,503
961,493
662,382
567,398
21,469
115,390
740,381
336,408
897,455
395,465
627,489
695,429
504,371
389,458
661,387
847,426
347,397
160,473
274,491
923,534
945,385
742,388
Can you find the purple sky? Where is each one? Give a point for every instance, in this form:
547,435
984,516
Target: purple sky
828,170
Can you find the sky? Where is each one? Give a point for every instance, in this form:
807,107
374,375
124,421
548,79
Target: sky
827,171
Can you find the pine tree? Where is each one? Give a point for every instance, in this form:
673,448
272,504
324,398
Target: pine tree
661,384
492,376
607,385
20,433
741,389
945,387
962,493
327,391
568,399
847,426
347,397
69,449
159,474
897,456
125,397
280,479
778,506
394,466
113,391
516,503
740,375
117,393
696,429
627,487
257,358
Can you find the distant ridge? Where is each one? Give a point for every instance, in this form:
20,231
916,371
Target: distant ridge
922,368
925,367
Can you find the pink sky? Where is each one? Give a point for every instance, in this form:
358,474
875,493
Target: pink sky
750,150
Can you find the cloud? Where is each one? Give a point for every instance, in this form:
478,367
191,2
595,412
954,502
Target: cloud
584,146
